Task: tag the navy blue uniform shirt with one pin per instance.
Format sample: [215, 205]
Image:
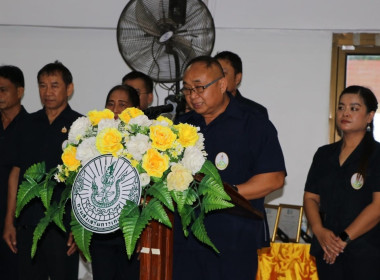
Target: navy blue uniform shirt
[250, 146]
[340, 203]
[43, 142]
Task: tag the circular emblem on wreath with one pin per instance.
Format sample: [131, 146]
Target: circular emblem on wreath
[100, 191]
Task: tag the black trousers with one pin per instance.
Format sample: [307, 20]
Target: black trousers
[50, 260]
[110, 260]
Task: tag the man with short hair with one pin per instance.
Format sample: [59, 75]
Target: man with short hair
[12, 113]
[233, 71]
[44, 134]
[245, 149]
[143, 84]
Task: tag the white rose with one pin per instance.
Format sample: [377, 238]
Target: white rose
[144, 179]
[193, 159]
[141, 120]
[161, 123]
[108, 123]
[87, 150]
[200, 143]
[78, 129]
[138, 145]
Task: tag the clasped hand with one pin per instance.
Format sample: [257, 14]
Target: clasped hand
[332, 245]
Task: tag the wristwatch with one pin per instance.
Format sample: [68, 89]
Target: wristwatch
[235, 188]
[344, 236]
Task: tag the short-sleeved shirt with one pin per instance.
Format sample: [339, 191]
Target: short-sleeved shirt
[340, 202]
[43, 142]
[8, 137]
[252, 104]
[248, 144]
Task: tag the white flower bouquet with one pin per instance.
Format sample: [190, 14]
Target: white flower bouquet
[166, 158]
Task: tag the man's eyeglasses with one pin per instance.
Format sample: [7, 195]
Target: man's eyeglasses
[198, 89]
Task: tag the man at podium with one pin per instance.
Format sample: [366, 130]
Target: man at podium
[245, 149]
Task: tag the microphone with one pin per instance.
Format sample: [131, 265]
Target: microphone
[155, 111]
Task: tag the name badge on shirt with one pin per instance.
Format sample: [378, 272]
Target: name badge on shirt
[357, 181]
[221, 161]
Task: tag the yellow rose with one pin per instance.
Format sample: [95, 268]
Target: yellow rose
[187, 134]
[162, 137]
[69, 159]
[108, 141]
[154, 163]
[96, 116]
[179, 178]
[129, 114]
[164, 119]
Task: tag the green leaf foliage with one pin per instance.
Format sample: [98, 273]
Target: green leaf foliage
[46, 191]
[27, 191]
[208, 168]
[41, 227]
[178, 198]
[211, 186]
[155, 210]
[210, 203]
[82, 237]
[199, 231]
[161, 192]
[35, 172]
[132, 224]
[187, 215]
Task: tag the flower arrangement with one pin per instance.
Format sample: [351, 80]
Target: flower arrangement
[166, 156]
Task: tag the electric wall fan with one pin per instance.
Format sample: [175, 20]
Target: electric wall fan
[159, 37]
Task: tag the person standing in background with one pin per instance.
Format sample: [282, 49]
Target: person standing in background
[43, 138]
[143, 84]
[342, 194]
[233, 71]
[12, 114]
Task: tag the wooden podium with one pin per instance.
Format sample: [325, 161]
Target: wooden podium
[156, 254]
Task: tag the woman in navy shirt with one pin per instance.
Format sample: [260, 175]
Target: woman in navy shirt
[342, 193]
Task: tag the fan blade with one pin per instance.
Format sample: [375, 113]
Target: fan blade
[185, 46]
[146, 20]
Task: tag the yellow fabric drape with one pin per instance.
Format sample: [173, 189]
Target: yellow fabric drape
[290, 261]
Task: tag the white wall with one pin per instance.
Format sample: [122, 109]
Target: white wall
[285, 47]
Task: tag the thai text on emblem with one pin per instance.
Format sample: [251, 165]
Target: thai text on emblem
[101, 190]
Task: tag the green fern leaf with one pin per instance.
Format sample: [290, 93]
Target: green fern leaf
[179, 199]
[27, 191]
[46, 191]
[82, 237]
[132, 224]
[211, 186]
[199, 231]
[210, 203]
[161, 192]
[155, 210]
[208, 168]
[65, 196]
[36, 171]
[41, 227]
[187, 216]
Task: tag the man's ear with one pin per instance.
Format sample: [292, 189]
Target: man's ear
[150, 98]
[70, 89]
[223, 84]
[238, 77]
[20, 92]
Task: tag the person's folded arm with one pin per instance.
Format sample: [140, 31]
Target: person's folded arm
[261, 185]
